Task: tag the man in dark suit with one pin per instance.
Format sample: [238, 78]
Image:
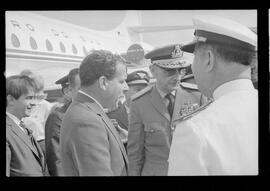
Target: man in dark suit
[53, 123]
[89, 143]
[24, 156]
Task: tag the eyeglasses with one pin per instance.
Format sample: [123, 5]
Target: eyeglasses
[171, 71]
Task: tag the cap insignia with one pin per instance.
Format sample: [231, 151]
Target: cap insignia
[177, 52]
[142, 75]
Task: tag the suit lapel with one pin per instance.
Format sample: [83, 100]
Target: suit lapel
[91, 104]
[23, 136]
[158, 103]
[41, 156]
[114, 132]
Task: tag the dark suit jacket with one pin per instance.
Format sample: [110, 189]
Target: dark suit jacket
[89, 143]
[52, 140]
[22, 159]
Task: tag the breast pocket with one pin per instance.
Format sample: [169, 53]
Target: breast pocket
[155, 134]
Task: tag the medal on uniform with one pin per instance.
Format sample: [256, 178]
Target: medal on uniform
[188, 108]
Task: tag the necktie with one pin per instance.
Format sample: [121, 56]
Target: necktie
[30, 134]
[170, 105]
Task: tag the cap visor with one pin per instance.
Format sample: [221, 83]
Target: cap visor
[138, 82]
[189, 47]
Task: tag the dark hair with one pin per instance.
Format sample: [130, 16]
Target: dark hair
[37, 78]
[230, 53]
[27, 72]
[18, 85]
[71, 76]
[98, 63]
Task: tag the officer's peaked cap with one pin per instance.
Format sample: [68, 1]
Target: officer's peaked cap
[209, 28]
[138, 77]
[170, 56]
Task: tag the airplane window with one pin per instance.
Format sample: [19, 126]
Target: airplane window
[62, 47]
[85, 51]
[49, 45]
[15, 41]
[33, 43]
[74, 49]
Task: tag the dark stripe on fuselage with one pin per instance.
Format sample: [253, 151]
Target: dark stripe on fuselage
[42, 53]
[41, 58]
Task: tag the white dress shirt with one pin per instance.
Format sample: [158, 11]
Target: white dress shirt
[222, 139]
[163, 94]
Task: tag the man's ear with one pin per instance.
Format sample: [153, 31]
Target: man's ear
[10, 100]
[211, 60]
[152, 69]
[103, 82]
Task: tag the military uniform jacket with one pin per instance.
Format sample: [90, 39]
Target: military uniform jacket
[151, 129]
[89, 143]
[52, 141]
[221, 139]
[22, 159]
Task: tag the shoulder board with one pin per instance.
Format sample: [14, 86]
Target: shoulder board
[199, 109]
[141, 93]
[189, 85]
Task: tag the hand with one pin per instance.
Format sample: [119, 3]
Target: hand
[122, 132]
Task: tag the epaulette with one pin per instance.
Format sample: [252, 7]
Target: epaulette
[199, 109]
[142, 92]
[189, 85]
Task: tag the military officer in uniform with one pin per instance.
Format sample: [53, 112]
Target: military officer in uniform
[220, 138]
[153, 113]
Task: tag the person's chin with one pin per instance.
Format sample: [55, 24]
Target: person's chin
[27, 112]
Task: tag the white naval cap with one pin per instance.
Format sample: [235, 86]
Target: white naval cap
[209, 28]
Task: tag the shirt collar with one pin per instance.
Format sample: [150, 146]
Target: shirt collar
[235, 85]
[15, 119]
[163, 94]
[82, 92]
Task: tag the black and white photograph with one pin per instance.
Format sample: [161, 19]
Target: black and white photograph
[132, 93]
